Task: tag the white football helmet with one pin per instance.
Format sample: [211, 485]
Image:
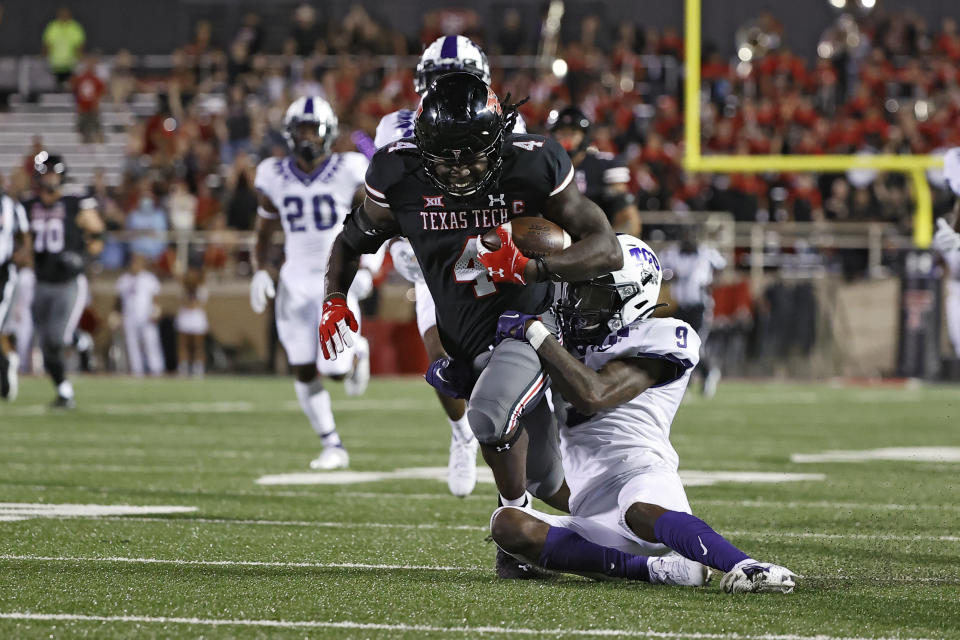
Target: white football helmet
[447, 54]
[311, 110]
[590, 311]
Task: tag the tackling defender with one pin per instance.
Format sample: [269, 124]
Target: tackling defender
[618, 381]
[447, 54]
[308, 194]
[461, 174]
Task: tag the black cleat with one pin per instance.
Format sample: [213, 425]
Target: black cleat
[63, 403]
[509, 568]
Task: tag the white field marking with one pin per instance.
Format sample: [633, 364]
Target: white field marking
[380, 626]
[690, 478]
[10, 511]
[154, 408]
[363, 565]
[242, 563]
[893, 454]
[824, 504]
[427, 526]
[196, 468]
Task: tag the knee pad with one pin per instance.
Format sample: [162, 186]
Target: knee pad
[488, 421]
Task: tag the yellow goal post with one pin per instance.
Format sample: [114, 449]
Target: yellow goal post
[694, 160]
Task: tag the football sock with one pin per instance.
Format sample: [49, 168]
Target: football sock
[522, 501]
[564, 550]
[65, 389]
[461, 429]
[315, 402]
[693, 538]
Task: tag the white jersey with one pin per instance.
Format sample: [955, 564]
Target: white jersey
[692, 273]
[137, 291]
[311, 208]
[635, 434]
[13, 221]
[399, 124]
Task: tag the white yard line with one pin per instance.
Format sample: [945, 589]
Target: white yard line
[240, 563]
[373, 626]
[156, 408]
[874, 537]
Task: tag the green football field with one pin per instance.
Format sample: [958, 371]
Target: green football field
[140, 515]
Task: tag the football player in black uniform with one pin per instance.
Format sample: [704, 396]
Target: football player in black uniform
[599, 175]
[460, 175]
[65, 229]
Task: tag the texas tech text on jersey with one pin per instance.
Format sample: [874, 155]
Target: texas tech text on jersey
[443, 232]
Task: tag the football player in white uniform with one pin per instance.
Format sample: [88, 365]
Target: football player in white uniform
[946, 242]
[618, 381]
[308, 194]
[445, 55]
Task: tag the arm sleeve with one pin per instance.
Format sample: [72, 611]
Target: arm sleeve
[559, 166]
[261, 182]
[385, 170]
[616, 172]
[664, 339]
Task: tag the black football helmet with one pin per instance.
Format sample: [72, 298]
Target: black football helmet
[47, 164]
[570, 118]
[460, 128]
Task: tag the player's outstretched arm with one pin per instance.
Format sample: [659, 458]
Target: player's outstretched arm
[595, 250]
[364, 231]
[589, 391]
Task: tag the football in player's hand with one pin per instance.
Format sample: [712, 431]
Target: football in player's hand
[535, 237]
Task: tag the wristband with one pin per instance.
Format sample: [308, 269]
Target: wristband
[536, 333]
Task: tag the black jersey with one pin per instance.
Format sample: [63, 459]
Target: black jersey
[596, 174]
[443, 232]
[58, 243]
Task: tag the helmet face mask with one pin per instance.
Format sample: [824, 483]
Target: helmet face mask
[459, 131]
[590, 311]
[310, 128]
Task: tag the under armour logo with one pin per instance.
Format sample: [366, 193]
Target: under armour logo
[498, 273]
[432, 201]
[500, 200]
[505, 447]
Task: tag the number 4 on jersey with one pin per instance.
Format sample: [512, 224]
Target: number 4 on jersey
[467, 269]
[529, 145]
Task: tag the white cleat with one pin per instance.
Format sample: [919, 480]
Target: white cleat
[711, 382]
[331, 458]
[674, 569]
[359, 377]
[462, 468]
[13, 370]
[750, 576]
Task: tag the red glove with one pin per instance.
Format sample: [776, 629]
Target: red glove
[506, 264]
[335, 326]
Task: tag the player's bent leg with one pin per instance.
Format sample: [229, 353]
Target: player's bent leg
[558, 548]
[314, 400]
[544, 467]
[693, 538]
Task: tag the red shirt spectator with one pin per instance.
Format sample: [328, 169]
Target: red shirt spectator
[87, 90]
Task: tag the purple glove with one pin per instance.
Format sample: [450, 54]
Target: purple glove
[512, 324]
[450, 377]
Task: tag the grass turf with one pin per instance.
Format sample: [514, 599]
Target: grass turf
[878, 542]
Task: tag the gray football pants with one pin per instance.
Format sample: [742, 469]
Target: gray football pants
[56, 310]
[509, 395]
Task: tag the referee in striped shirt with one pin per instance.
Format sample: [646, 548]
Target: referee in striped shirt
[14, 251]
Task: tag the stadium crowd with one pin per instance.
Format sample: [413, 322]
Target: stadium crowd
[883, 82]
